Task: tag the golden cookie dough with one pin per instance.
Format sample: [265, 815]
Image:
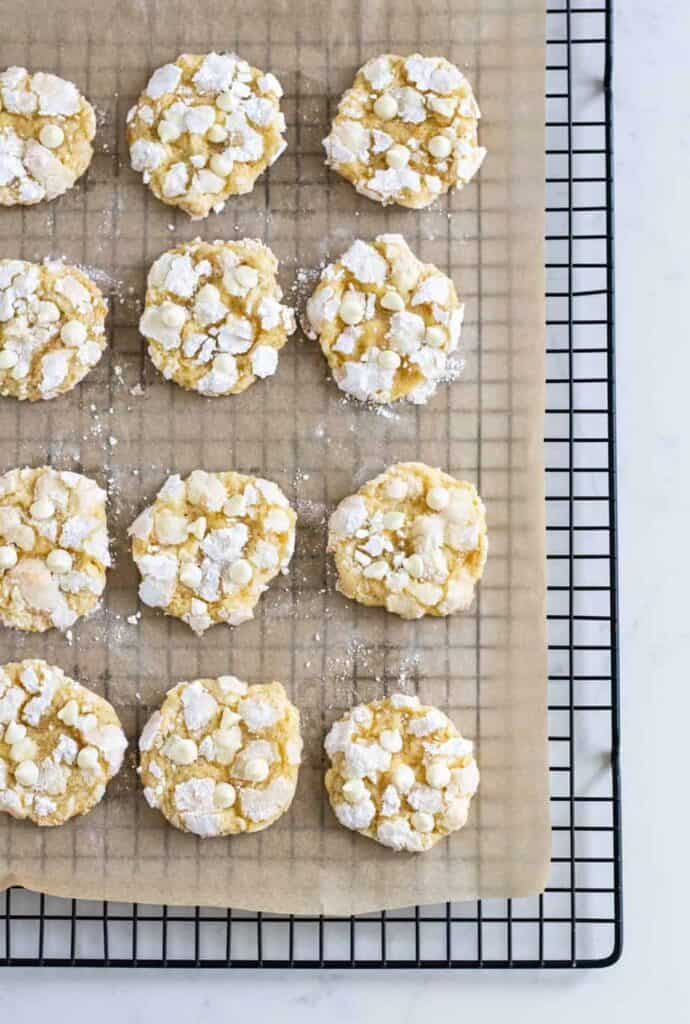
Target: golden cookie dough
[46, 128]
[400, 773]
[213, 317]
[204, 129]
[221, 757]
[386, 322]
[53, 548]
[60, 744]
[52, 328]
[209, 546]
[406, 131]
[412, 540]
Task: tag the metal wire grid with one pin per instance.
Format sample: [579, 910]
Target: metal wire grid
[577, 921]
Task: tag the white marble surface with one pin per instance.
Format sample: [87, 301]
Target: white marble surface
[653, 282]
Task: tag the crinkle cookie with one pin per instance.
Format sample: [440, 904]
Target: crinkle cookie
[400, 773]
[46, 128]
[412, 540]
[60, 744]
[406, 131]
[385, 321]
[213, 317]
[221, 757]
[204, 129]
[52, 328]
[209, 546]
[53, 548]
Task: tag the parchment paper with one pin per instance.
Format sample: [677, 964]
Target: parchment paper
[129, 428]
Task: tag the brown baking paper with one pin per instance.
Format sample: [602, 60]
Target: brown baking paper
[129, 428]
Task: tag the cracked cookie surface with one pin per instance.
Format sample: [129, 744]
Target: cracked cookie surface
[53, 547]
[386, 322]
[60, 744]
[406, 130]
[400, 773]
[220, 757]
[413, 540]
[213, 316]
[52, 328]
[46, 128]
[204, 129]
[208, 547]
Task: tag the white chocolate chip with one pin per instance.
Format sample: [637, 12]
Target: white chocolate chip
[168, 132]
[386, 107]
[216, 133]
[388, 359]
[351, 310]
[391, 740]
[397, 157]
[173, 315]
[393, 520]
[59, 561]
[73, 333]
[403, 778]
[439, 146]
[438, 774]
[355, 790]
[15, 732]
[393, 301]
[222, 164]
[224, 795]
[179, 750]
[8, 556]
[396, 489]
[69, 714]
[438, 498]
[8, 359]
[435, 336]
[414, 565]
[43, 508]
[240, 572]
[23, 750]
[256, 769]
[87, 759]
[422, 821]
[26, 773]
[51, 136]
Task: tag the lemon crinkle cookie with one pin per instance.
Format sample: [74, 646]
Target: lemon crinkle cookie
[213, 317]
[406, 131]
[53, 547]
[60, 744]
[386, 322]
[52, 328]
[400, 773]
[204, 129]
[46, 128]
[220, 757]
[209, 546]
[412, 540]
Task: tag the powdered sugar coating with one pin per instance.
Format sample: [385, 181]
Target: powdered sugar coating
[52, 328]
[205, 128]
[213, 316]
[404, 787]
[53, 547]
[386, 322]
[210, 544]
[406, 130]
[416, 545]
[46, 128]
[60, 744]
[214, 769]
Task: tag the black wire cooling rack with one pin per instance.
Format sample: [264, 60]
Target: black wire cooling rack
[577, 922]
